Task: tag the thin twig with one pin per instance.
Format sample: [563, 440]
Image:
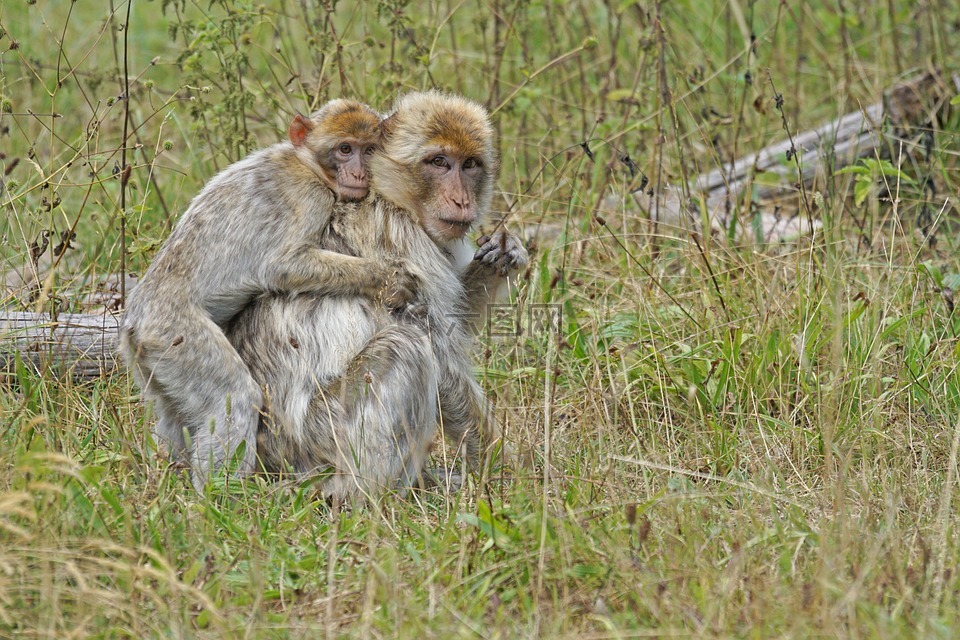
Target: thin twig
[127, 169]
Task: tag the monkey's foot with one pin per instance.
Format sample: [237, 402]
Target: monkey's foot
[449, 480]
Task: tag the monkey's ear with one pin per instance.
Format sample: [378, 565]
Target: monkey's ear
[388, 125]
[300, 128]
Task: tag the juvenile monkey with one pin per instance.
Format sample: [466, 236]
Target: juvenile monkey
[351, 386]
[254, 228]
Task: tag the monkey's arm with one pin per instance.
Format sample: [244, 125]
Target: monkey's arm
[497, 258]
[321, 271]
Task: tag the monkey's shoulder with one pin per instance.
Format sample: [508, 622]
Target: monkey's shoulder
[269, 191]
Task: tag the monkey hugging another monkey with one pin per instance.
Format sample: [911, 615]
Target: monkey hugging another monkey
[313, 326]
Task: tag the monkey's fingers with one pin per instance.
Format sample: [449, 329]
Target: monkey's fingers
[516, 258]
[397, 299]
[416, 311]
[508, 265]
[513, 260]
[399, 288]
[485, 250]
[492, 257]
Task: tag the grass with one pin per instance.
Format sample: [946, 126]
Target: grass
[726, 441]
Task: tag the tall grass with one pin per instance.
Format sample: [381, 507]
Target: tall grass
[716, 440]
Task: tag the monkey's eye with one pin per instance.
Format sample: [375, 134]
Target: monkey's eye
[369, 151]
[345, 149]
[439, 161]
[471, 163]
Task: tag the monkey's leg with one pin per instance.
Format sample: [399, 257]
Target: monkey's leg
[466, 416]
[388, 399]
[169, 425]
[202, 385]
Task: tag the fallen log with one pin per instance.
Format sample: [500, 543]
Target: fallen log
[72, 345]
[720, 193]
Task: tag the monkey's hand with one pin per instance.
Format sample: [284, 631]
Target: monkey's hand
[398, 286]
[503, 253]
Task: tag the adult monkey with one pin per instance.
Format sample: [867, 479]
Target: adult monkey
[255, 227]
[352, 387]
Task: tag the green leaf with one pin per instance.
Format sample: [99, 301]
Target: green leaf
[861, 189]
[855, 169]
[110, 497]
[622, 95]
[933, 271]
[588, 570]
[193, 570]
[951, 281]
[496, 529]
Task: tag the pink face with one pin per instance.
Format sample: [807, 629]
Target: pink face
[343, 166]
[350, 158]
[456, 180]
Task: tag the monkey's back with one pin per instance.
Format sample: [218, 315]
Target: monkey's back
[256, 210]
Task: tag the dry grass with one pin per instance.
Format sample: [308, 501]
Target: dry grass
[724, 441]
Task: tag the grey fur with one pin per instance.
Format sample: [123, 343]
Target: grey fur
[256, 227]
[353, 386]
[358, 390]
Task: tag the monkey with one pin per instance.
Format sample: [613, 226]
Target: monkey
[359, 389]
[253, 228]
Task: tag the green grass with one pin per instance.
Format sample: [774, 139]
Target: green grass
[726, 441]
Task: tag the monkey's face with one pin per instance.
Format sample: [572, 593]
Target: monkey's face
[452, 184]
[336, 142]
[438, 160]
[350, 158]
